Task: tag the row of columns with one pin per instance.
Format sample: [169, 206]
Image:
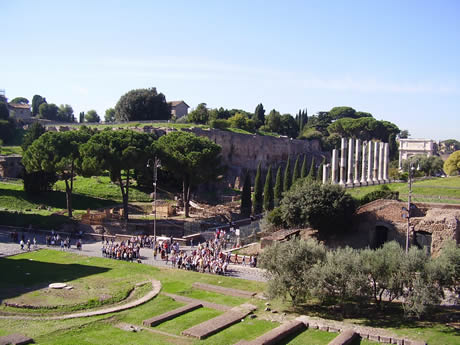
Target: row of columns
[361, 164]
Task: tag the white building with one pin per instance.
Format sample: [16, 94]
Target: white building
[412, 147]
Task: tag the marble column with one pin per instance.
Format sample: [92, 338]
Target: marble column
[334, 166]
[325, 173]
[357, 155]
[343, 166]
[375, 167]
[386, 156]
[350, 162]
[380, 175]
[370, 160]
[363, 180]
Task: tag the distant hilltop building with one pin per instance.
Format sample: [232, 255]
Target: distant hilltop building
[20, 111]
[412, 147]
[179, 108]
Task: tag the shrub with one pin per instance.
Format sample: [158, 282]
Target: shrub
[219, 124]
[379, 194]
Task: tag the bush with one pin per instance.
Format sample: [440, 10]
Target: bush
[274, 217]
[242, 122]
[379, 194]
[327, 208]
[290, 266]
[219, 124]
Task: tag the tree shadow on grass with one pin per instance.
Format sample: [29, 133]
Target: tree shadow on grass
[23, 275]
[38, 220]
[57, 199]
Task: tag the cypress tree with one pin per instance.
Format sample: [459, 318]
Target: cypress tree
[246, 202]
[296, 172]
[258, 198]
[312, 174]
[278, 192]
[287, 176]
[268, 191]
[303, 170]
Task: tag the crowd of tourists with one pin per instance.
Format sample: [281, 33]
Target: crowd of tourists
[208, 256]
[128, 250]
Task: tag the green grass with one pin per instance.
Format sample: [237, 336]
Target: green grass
[444, 190]
[187, 320]
[311, 337]
[99, 273]
[10, 150]
[27, 276]
[17, 208]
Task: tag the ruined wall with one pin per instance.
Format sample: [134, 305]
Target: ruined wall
[439, 220]
[243, 152]
[10, 166]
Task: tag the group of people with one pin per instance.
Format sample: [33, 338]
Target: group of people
[208, 256]
[126, 250]
[57, 240]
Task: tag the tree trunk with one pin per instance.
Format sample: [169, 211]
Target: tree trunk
[125, 195]
[186, 195]
[68, 195]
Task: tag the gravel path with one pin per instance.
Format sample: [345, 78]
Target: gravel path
[91, 248]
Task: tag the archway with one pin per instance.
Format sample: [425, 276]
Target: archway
[380, 237]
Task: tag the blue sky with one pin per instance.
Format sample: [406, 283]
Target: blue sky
[398, 60]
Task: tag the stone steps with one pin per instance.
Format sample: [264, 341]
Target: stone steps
[210, 327]
[156, 320]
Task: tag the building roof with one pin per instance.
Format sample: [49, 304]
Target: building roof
[19, 106]
[174, 103]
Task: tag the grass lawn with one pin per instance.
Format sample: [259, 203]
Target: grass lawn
[311, 337]
[445, 190]
[96, 276]
[10, 150]
[49, 210]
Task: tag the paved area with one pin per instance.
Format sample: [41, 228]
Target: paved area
[92, 248]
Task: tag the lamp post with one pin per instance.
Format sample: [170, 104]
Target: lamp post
[156, 163]
[409, 203]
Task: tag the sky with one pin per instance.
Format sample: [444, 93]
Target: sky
[398, 60]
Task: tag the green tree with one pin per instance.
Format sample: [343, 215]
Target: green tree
[4, 112]
[287, 182]
[430, 166]
[452, 164]
[65, 113]
[259, 115]
[109, 115]
[37, 100]
[303, 169]
[341, 112]
[327, 208]
[404, 134]
[48, 111]
[273, 121]
[92, 117]
[268, 191]
[119, 152]
[20, 100]
[142, 104]
[241, 121]
[246, 203]
[34, 132]
[290, 266]
[312, 173]
[81, 117]
[200, 115]
[257, 203]
[278, 190]
[190, 158]
[450, 145]
[296, 171]
[57, 152]
[288, 126]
